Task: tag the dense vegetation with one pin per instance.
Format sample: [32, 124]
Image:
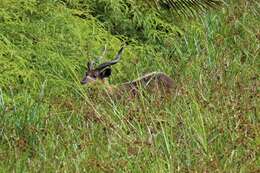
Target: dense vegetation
[50, 122]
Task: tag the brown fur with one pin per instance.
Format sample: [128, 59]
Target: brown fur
[156, 83]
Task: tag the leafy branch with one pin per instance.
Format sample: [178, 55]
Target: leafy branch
[186, 8]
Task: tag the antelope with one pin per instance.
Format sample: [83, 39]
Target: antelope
[155, 82]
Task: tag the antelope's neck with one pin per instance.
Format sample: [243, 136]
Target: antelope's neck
[107, 85]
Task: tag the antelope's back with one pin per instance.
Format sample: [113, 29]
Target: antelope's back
[154, 83]
[159, 82]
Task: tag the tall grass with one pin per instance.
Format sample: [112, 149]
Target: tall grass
[49, 122]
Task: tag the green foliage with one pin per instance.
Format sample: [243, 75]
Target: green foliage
[187, 8]
[49, 122]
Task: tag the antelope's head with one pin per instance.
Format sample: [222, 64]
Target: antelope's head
[100, 72]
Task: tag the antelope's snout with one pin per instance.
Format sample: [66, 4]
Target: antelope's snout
[86, 80]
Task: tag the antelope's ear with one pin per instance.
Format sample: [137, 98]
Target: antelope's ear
[105, 73]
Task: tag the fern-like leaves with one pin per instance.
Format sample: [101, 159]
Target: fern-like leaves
[186, 8]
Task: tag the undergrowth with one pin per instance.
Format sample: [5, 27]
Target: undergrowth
[51, 123]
